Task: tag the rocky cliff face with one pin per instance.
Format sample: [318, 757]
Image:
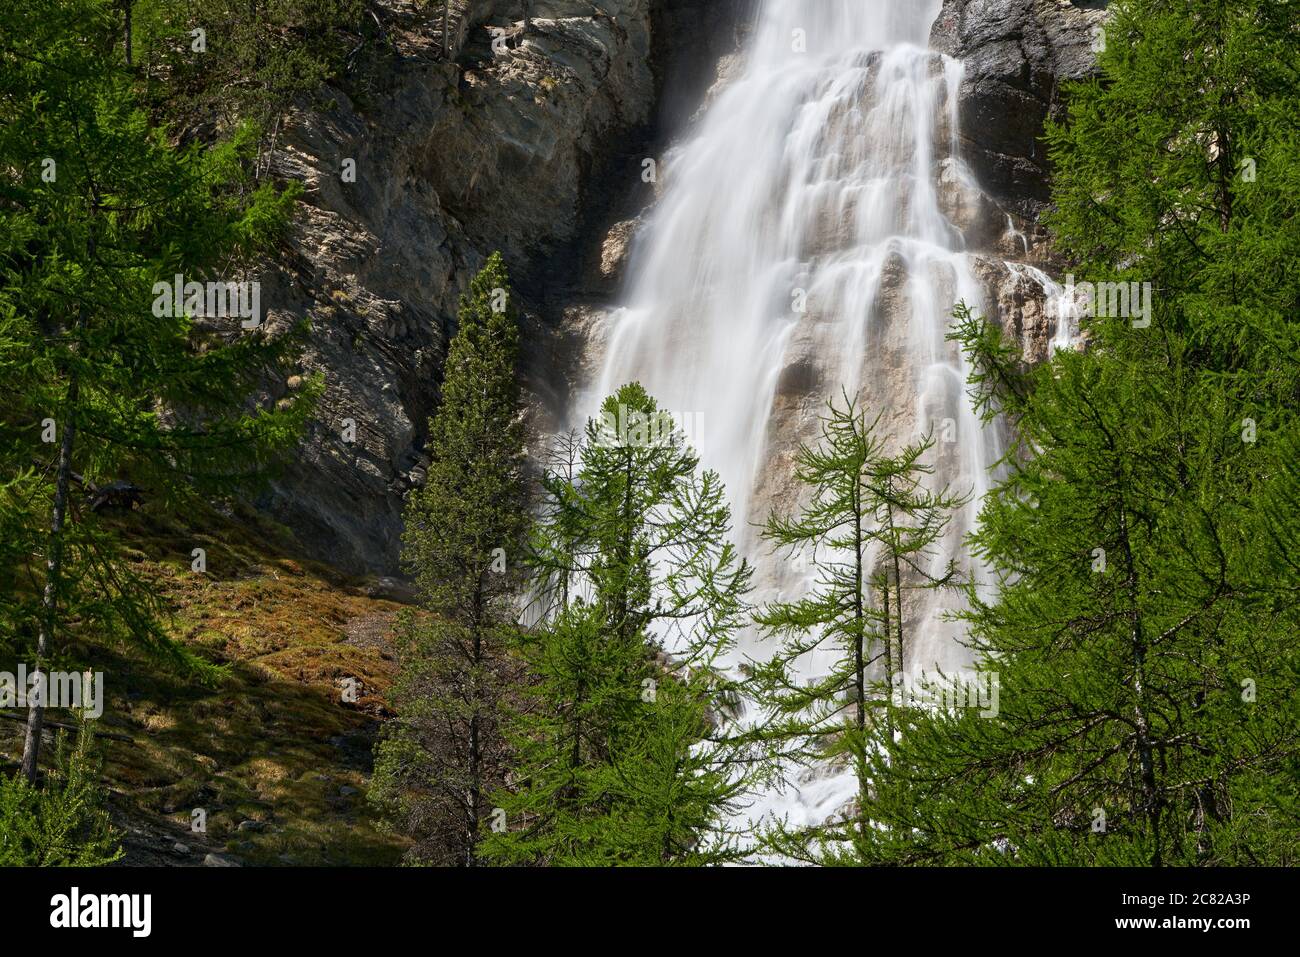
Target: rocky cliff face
[407, 194]
[1016, 53]
[1016, 56]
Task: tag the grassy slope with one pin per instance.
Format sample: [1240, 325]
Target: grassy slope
[273, 743]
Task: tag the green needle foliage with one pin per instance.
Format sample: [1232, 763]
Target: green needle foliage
[622, 751]
[870, 529]
[252, 60]
[1145, 536]
[464, 544]
[63, 825]
[97, 208]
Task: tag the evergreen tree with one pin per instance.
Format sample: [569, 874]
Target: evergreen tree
[251, 60]
[64, 825]
[1144, 536]
[676, 783]
[100, 212]
[622, 751]
[465, 531]
[870, 528]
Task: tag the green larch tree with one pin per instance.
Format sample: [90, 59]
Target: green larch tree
[870, 530]
[1144, 535]
[116, 379]
[623, 752]
[65, 824]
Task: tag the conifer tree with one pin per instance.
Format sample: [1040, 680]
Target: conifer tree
[622, 752]
[463, 544]
[65, 824]
[1144, 536]
[252, 59]
[99, 209]
[870, 529]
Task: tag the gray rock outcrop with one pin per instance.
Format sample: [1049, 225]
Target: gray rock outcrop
[1016, 53]
[406, 195]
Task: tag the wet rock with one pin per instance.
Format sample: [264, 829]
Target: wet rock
[1017, 302]
[392, 589]
[614, 249]
[969, 208]
[1016, 54]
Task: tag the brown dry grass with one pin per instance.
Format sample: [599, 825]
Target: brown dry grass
[273, 741]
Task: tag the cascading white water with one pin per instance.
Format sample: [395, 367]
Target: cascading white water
[800, 247]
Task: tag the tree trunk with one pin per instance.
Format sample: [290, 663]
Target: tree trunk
[889, 648]
[1145, 746]
[126, 11]
[859, 658]
[58, 516]
[575, 749]
[859, 665]
[475, 746]
[1227, 170]
[475, 786]
[898, 587]
[53, 572]
[625, 545]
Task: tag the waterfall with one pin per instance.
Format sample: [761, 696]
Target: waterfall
[801, 245]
